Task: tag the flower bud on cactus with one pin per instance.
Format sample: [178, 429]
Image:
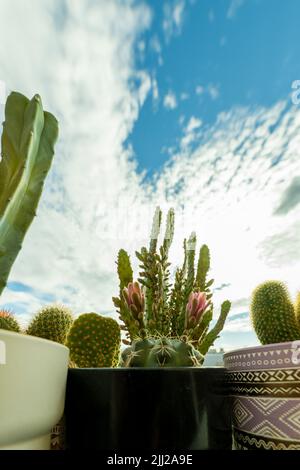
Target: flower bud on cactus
[134, 299]
[8, 322]
[52, 322]
[195, 308]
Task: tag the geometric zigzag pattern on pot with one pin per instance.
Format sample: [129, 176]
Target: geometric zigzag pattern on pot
[247, 441]
[270, 390]
[280, 376]
[273, 417]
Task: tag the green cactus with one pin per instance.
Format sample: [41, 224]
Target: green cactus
[125, 276]
[28, 139]
[8, 322]
[161, 352]
[94, 341]
[152, 310]
[273, 314]
[52, 322]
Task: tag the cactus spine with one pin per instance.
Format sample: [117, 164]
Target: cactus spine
[273, 314]
[94, 341]
[8, 322]
[28, 139]
[52, 322]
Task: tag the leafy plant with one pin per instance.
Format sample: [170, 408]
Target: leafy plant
[160, 319]
[28, 139]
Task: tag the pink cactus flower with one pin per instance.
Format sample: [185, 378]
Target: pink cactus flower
[195, 308]
[134, 298]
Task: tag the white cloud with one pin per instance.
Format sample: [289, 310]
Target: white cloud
[155, 45]
[184, 96]
[211, 15]
[173, 18]
[238, 325]
[213, 91]
[170, 101]
[82, 62]
[190, 132]
[194, 123]
[227, 189]
[234, 6]
[155, 91]
[199, 90]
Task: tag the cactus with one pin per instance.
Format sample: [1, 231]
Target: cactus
[8, 321]
[176, 319]
[273, 314]
[94, 341]
[28, 139]
[161, 352]
[52, 322]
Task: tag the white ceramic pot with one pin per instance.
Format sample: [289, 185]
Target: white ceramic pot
[33, 375]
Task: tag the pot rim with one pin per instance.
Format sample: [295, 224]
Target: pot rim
[284, 345]
[128, 369]
[25, 337]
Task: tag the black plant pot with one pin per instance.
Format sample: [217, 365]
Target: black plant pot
[176, 408]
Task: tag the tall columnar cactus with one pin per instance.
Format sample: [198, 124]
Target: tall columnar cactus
[28, 139]
[94, 341]
[152, 310]
[8, 322]
[273, 314]
[52, 322]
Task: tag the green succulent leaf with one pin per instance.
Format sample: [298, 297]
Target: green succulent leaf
[28, 139]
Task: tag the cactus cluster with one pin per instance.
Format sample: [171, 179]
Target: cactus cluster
[8, 322]
[274, 316]
[53, 322]
[94, 341]
[167, 325]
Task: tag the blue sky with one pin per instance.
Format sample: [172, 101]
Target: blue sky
[183, 103]
[224, 54]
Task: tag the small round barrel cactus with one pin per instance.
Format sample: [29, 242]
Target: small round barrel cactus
[52, 322]
[273, 314]
[8, 321]
[161, 352]
[94, 341]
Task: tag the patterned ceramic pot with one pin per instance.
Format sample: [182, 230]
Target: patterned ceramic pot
[265, 384]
